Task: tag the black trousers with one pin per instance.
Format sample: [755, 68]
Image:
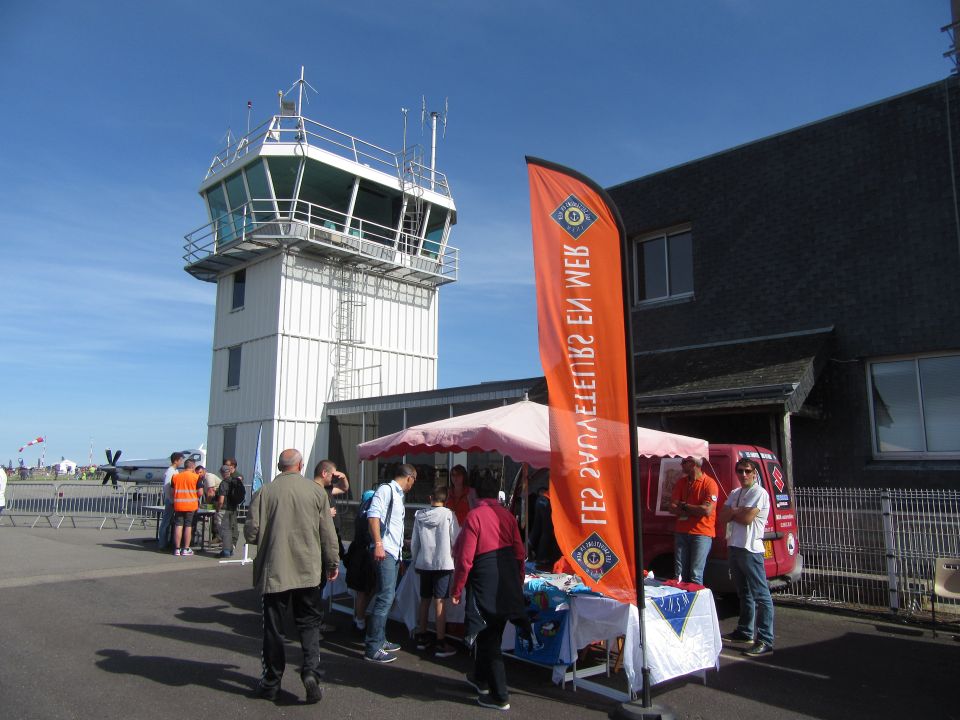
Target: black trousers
[306, 604]
[488, 665]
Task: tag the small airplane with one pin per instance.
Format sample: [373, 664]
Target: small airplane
[144, 472]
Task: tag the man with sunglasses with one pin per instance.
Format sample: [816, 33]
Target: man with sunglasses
[745, 516]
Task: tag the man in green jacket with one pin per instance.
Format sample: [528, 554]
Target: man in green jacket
[289, 522]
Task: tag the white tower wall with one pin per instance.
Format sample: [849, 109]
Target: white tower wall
[287, 334]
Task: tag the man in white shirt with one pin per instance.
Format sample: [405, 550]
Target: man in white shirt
[163, 531]
[385, 517]
[3, 490]
[746, 511]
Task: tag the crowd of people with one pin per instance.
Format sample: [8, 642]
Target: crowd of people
[188, 487]
[465, 548]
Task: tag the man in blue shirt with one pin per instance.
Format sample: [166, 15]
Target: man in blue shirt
[385, 517]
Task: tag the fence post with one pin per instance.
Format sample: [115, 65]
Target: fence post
[886, 509]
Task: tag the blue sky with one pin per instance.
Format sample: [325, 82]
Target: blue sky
[111, 112]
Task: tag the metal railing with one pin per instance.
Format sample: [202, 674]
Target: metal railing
[258, 222]
[875, 549]
[299, 130]
[54, 503]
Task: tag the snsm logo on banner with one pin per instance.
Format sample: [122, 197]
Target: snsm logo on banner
[574, 217]
[595, 557]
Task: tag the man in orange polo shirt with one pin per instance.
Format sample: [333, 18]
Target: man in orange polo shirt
[186, 501]
[693, 501]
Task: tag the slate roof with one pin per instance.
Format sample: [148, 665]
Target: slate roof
[773, 372]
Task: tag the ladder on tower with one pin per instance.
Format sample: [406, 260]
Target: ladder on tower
[410, 183]
[348, 331]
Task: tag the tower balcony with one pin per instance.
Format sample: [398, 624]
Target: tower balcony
[265, 225]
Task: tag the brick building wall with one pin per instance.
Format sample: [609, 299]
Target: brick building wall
[849, 222]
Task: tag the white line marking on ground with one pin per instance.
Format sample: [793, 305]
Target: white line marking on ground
[741, 658]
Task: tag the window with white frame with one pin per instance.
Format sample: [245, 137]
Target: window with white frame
[663, 265]
[233, 367]
[915, 406]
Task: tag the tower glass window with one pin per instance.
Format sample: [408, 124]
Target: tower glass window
[239, 289]
[217, 203]
[663, 265]
[260, 195]
[283, 172]
[233, 367]
[237, 197]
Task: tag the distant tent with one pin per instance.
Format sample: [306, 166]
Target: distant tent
[66, 467]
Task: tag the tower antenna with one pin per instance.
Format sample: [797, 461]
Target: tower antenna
[300, 84]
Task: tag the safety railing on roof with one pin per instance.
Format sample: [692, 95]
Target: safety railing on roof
[261, 221]
[299, 130]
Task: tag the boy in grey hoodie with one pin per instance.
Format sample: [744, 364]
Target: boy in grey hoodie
[434, 530]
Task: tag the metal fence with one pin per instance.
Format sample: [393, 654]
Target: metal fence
[33, 502]
[875, 549]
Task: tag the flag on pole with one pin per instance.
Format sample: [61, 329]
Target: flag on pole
[577, 253]
[32, 442]
[257, 468]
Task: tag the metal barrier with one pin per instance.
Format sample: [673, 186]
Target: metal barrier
[56, 502]
[30, 499]
[875, 549]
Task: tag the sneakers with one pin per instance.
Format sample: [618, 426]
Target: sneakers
[314, 691]
[176, 552]
[488, 702]
[390, 647]
[186, 551]
[423, 641]
[737, 636]
[444, 651]
[478, 685]
[381, 658]
[757, 649]
[224, 554]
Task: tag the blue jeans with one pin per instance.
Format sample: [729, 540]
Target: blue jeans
[163, 532]
[750, 578]
[380, 604]
[690, 556]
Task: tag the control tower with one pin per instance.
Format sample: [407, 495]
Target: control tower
[328, 252]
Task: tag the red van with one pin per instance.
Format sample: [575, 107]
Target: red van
[782, 557]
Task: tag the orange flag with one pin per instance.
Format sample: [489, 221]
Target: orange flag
[577, 252]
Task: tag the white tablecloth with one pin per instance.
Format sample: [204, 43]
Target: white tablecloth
[683, 633]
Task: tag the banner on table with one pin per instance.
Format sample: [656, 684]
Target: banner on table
[578, 261]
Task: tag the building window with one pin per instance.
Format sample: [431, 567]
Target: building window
[233, 367]
[229, 441]
[915, 407]
[239, 289]
[663, 265]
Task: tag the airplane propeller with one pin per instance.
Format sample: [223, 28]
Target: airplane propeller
[111, 468]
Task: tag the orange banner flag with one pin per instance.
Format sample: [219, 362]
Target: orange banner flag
[577, 252]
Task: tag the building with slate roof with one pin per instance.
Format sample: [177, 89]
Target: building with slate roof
[799, 292]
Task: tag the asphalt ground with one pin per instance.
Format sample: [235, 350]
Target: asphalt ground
[98, 624]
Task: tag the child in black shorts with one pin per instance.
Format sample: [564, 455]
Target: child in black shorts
[434, 530]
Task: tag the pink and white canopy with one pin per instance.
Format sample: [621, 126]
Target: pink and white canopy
[520, 430]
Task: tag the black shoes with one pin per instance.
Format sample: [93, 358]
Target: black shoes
[757, 649]
[479, 685]
[738, 637]
[266, 692]
[314, 691]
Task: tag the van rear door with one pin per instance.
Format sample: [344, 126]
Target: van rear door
[780, 533]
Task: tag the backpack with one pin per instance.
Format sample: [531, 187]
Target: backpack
[361, 531]
[236, 493]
